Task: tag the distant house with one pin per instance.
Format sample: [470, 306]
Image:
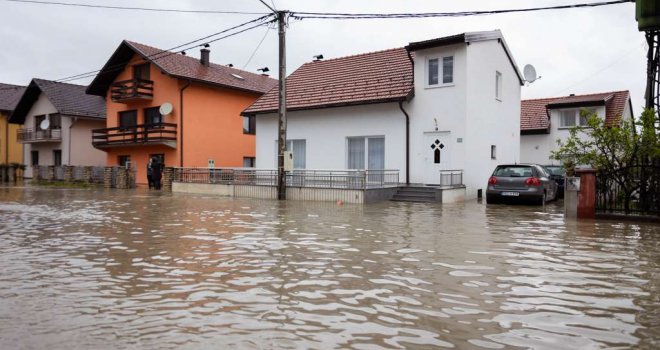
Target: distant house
[451, 103]
[546, 120]
[11, 151]
[57, 121]
[201, 125]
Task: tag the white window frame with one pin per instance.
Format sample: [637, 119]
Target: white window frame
[576, 114]
[286, 148]
[440, 59]
[366, 149]
[498, 86]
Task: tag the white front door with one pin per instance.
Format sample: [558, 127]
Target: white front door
[436, 155]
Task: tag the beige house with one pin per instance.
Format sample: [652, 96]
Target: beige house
[56, 125]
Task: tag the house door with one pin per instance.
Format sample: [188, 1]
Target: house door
[436, 155]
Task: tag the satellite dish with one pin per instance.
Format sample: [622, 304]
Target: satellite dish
[45, 124]
[530, 73]
[166, 108]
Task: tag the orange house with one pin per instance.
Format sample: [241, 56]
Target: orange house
[183, 110]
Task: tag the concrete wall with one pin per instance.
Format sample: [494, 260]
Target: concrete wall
[537, 148]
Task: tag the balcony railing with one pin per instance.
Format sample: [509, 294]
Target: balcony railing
[39, 135]
[144, 134]
[131, 90]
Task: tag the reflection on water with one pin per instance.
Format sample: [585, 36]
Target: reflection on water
[109, 269]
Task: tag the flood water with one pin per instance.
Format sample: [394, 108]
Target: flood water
[101, 269]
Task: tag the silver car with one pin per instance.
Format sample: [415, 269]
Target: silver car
[521, 183]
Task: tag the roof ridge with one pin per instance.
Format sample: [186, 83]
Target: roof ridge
[581, 95]
[57, 82]
[356, 55]
[211, 64]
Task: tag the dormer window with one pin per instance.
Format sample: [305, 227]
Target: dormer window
[440, 71]
[572, 117]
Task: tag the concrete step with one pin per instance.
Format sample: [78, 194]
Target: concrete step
[412, 199]
[416, 194]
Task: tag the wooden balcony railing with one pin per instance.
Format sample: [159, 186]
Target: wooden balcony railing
[39, 135]
[131, 90]
[144, 134]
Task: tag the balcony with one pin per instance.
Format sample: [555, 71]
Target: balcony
[138, 135]
[39, 135]
[132, 90]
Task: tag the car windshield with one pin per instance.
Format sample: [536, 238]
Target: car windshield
[513, 171]
[556, 170]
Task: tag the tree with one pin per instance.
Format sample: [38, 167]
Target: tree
[616, 151]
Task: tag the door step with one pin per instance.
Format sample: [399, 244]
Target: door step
[415, 194]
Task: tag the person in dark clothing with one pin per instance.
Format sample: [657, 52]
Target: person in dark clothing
[156, 172]
[149, 179]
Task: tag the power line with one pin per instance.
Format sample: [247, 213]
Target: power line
[165, 53]
[135, 8]
[256, 48]
[323, 15]
[269, 7]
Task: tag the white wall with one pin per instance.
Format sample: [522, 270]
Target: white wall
[326, 132]
[41, 107]
[537, 148]
[490, 121]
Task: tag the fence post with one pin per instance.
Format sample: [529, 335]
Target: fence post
[68, 173]
[168, 176]
[586, 208]
[122, 177]
[107, 177]
[50, 173]
[87, 174]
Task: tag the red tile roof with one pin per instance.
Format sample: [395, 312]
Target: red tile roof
[534, 113]
[9, 96]
[374, 77]
[179, 66]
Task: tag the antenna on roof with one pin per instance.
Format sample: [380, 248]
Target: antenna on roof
[317, 58]
[530, 74]
[264, 69]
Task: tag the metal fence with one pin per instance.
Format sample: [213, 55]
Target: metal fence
[638, 194]
[336, 179]
[59, 173]
[451, 177]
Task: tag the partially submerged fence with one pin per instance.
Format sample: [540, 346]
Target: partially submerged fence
[334, 179]
[110, 177]
[631, 190]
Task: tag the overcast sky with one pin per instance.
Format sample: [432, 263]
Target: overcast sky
[575, 51]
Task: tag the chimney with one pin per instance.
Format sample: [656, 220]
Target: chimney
[204, 59]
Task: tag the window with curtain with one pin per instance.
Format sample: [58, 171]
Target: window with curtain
[448, 70]
[366, 152]
[433, 72]
[299, 149]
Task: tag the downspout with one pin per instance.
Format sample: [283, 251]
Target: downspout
[181, 121]
[407, 142]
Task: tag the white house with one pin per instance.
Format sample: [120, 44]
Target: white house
[451, 103]
[57, 121]
[544, 121]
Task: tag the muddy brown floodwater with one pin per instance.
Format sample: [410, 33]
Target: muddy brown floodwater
[96, 269]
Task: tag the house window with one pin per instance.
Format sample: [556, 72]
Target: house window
[498, 86]
[34, 158]
[249, 125]
[124, 161]
[493, 152]
[141, 71]
[38, 120]
[249, 162]
[572, 117]
[299, 149]
[128, 119]
[435, 70]
[57, 157]
[366, 153]
[152, 116]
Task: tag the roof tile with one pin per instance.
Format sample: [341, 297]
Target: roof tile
[9, 96]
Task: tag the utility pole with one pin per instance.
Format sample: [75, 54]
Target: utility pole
[281, 124]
